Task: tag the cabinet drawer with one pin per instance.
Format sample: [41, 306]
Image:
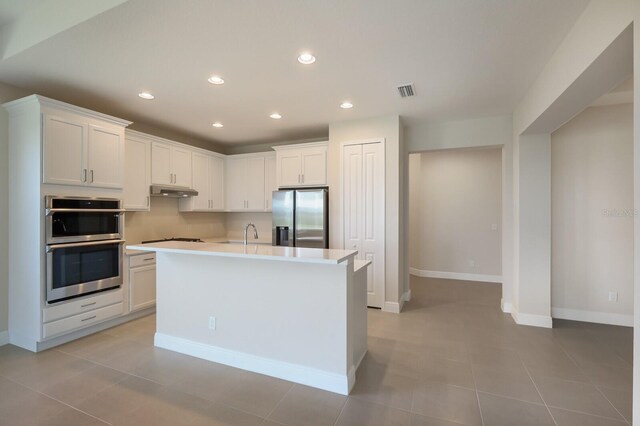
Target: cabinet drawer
[142, 260]
[78, 306]
[80, 321]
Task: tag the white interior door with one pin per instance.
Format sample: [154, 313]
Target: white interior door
[363, 200]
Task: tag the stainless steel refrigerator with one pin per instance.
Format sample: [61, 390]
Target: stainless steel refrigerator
[301, 218]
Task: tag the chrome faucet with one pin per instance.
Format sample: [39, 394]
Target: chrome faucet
[246, 228]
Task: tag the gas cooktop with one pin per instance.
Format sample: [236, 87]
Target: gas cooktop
[189, 240]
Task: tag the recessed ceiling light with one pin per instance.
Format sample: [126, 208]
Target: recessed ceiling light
[346, 105]
[146, 95]
[306, 58]
[214, 79]
[216, 124]
[275, 116]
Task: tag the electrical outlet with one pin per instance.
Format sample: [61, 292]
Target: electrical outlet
[472, 263]
[613, 296]
[494, 226]
[212, 323]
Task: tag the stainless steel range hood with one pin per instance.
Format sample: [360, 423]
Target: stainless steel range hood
[172, 191]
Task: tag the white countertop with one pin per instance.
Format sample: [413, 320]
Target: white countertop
[252, 251]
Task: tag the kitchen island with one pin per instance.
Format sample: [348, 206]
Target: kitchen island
[294, 313]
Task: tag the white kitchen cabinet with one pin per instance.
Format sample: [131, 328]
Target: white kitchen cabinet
[208, 180]
[142, 281]
[270, 183]
[245, 182]
[53, 146]
[301, 165]
[137, 173]
[80, 151]
[81, 313]
[216, 172]
[170, 165]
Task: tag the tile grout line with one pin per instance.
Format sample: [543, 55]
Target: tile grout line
[346, 401]
[623, 421]
[129, 374]
[535, 385]
[592, 383]
[278, 403]
[609, 401]
[475, 384]
[76, 409]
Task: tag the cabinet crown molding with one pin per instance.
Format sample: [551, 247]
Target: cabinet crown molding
[322, 144]
[52, 103]
[134, 134]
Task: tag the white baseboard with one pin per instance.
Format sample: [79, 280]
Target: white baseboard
[4, 337]
[393, 307]
[332, 382]
[396, 307]
[592, 316]
[456, 276]
[532, 320]
[506, 307]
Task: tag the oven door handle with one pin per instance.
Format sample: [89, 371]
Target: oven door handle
[51, 248]
[49, 212]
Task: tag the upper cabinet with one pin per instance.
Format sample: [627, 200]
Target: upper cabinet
[270, 183]
[301, 165]
[170, 164]
[137, 171]
[208, 180]
[248, 178]
[79, 149]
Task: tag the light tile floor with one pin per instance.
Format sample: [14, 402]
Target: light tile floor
[452, 357]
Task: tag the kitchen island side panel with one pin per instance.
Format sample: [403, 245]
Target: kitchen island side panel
[289, 312]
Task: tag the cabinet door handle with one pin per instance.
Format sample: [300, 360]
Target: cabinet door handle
[90, 318]
[88, 304]
[303, 178]
[148, 201]
[91, 176]
[84, 175]
[298, 178]
[148, 258]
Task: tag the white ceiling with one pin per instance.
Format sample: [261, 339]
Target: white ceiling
[466, 58]
[11, 10]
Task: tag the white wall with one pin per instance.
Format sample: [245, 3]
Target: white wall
[388, 128]
[592, 216]
[414, 199]
[458, 198]
[7, 93]
[532, 185]
[470, 133]
[164, 221]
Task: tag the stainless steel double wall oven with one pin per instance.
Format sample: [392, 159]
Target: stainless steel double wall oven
[84, 245]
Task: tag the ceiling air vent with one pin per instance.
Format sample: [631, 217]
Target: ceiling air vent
[406, 90]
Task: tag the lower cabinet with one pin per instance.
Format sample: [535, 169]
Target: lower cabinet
[142, 281]
[76, 322]
[80, 313]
